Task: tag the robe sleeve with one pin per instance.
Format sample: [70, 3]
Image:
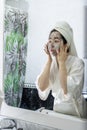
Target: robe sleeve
[43, 94]
[69, 103]
[75, 78]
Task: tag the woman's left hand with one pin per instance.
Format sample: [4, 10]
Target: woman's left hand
[61, 58]
[62, 54]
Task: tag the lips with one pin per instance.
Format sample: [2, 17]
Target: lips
[52, 50]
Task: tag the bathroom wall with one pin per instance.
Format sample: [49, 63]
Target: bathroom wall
[19, 4]
[85, 29]
[42, 17]
[43, 14]
[85, 49]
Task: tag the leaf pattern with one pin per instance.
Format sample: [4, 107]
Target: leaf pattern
[15, 52]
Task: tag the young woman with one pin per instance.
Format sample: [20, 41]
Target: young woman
[62, 73]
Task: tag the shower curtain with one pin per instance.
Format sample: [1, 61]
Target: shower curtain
[15, 52]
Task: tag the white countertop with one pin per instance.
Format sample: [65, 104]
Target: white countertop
[45, 117]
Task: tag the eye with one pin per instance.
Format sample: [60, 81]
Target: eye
[56, 41]
[50, 41]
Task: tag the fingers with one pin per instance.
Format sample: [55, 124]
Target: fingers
[46, 48]
[61, 47]
[64, 48]
[67, 47]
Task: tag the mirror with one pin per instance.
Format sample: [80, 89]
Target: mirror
[26, 29]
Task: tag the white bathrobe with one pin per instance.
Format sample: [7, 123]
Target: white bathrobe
[73, 103]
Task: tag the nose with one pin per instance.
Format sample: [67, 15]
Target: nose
[52, 44]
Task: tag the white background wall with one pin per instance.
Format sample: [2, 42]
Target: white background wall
[43, 14]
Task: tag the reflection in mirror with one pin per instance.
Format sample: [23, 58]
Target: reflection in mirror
[25, 33]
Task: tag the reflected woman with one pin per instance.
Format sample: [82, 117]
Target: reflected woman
[62, 73]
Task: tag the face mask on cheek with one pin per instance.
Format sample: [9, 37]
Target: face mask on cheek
[53, 49]
[56, 46]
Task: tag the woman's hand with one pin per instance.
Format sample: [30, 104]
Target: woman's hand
[43, 80]
[62, 54]
[61, 58]
[47, 51]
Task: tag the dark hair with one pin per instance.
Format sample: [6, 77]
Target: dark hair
[63, 38]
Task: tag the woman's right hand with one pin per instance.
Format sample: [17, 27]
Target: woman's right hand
[47, 51]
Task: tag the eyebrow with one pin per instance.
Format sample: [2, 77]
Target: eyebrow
[55, 38]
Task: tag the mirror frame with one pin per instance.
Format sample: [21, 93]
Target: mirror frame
[48, 118]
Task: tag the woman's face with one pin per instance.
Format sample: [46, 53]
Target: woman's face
[54, 42]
